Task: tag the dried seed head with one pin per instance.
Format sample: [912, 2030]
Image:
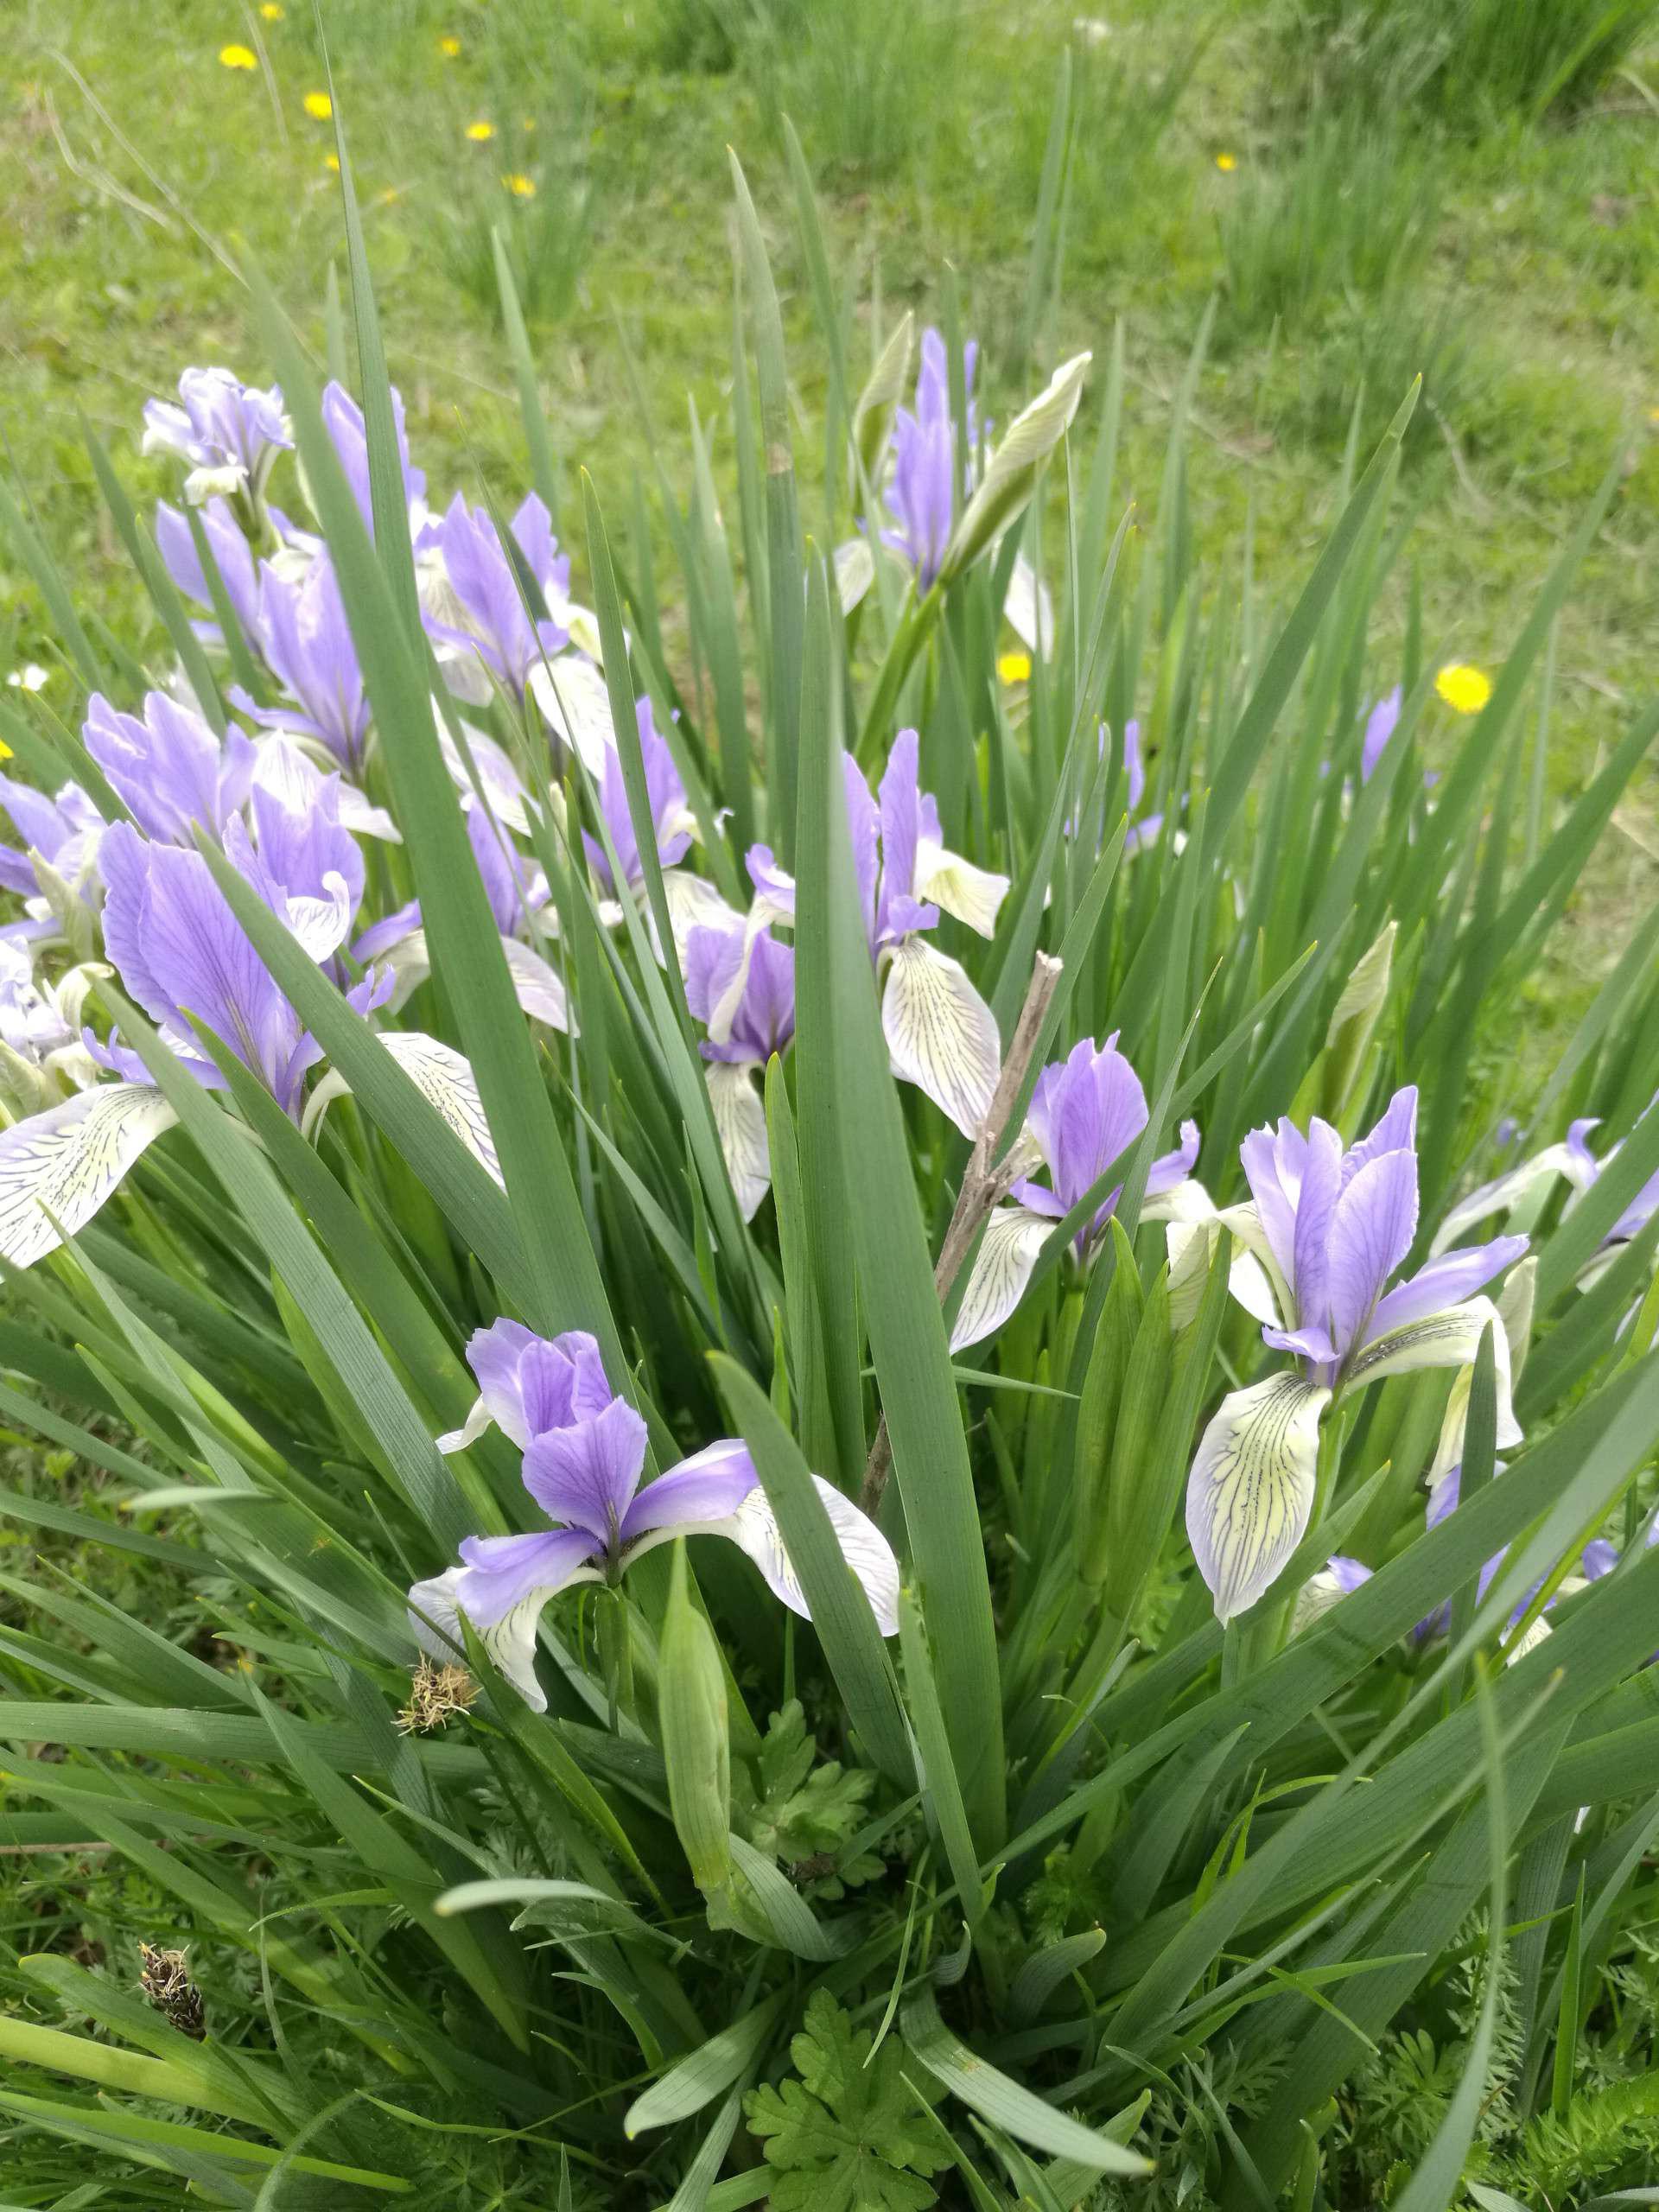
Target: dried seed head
[166, 1982]
[434, 1694]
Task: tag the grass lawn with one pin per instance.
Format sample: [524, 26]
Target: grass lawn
[1517, 266]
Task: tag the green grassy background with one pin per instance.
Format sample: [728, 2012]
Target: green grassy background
[1515, 259]
[1517, 262]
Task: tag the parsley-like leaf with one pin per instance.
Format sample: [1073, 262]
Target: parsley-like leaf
[845, 2137]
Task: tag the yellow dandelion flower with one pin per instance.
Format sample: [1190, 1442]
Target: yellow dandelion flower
[239, 57]
[448, 48]
[480, 133]
[272, 12]
[1653, 416]
[1226, 163]
[320, 105]
[521, 188]
[5, 750]
[1465, 689]
[530, 124]
[332, 161]
[1014, 668]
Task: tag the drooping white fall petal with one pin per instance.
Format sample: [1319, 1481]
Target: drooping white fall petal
[1251, 1488]
[1448, 1339]
[68, 1160]
[740, 1124]
[444, 1079]
[1008, 1252]
[941, 1035]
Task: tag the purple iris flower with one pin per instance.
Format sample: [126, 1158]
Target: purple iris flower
[1339, 1224]
[584, 1451]
[907, 814]
[31, 1021]
[922, 495]
[306, 865]
[1338, 1579]
[170, 769]
[1086, 1110]
[741, 984]
[178, 948]
[512, 886]
[941, 1035]
[343, 420]
[515, 887]
[527, 1383]
[1380, 726]
[532, 532]
[775, 887]
[496, 626]
[1139, 833]
[1598, 1557]
[665, 794]
[307, 643]
[1327, 1228]
[1573, 1160]
[63, 830]
[176, 944]
[232, 557]
[228, 431]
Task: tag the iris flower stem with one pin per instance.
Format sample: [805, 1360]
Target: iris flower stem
[616, 1648]
[985, 1179]
[915, 626]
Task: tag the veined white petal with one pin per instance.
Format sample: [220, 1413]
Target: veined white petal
[478, 1419]
[1190, 1245]
[365, 820]
[496, 773]
[1028, 609]
[753, 1528]
[70, 1160]
[537, 987]
[971, 894]
[1251, 1488]
[693, 903]
[741, 1121]
[1002, 1266]
[1190, 1241]
[573, 697]
[1316, 1597]
[1448, 1339]
[583, 625]
[1533, 1637]
[854, 566]
[1503, 1195]
[447, 1083]
[224, 480]
[511, 1642]
[1245, 1224]
[320, 924]
[1516, 1298]
[941, 1035]
[410, 960]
